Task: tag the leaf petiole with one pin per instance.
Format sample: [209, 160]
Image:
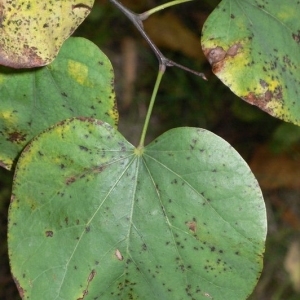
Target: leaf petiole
[161, 71]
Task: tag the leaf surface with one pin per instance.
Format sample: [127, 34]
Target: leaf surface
[183, 218]
[254, 48]
[78, 83]
[32, 32]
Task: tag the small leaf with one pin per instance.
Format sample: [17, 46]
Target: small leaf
[75, 84]
[183, 218]
[254, 48]
[32, 32]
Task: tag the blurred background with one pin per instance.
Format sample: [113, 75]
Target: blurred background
[271, 147]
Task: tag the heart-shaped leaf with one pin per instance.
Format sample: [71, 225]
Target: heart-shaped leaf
[92, 217]
[78, 83]
[254, 48]
[32, 32]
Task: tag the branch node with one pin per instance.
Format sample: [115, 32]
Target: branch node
[137, 20]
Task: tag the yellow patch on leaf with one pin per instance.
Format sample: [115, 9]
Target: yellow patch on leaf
[79, 72]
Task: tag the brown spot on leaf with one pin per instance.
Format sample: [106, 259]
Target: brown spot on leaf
[233, 50]
[192, 225]
[27, 59]
[296, 37]
[20, 289]
[263, 83]
[49, 233]
[91, 276]
[278, 93]
[218, 55]
[85, 292]
[100, 169]
[16, 137]
[268, 95]
[262, 100]
[70, 180]
[258, 100]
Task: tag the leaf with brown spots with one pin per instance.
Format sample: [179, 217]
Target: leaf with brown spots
[32, 32]
[183, 218]
[78, 83]
[253, 47]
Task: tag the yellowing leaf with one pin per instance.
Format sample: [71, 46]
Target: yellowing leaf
[32, 32]
[254, 48]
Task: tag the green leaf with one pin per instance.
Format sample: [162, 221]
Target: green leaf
[78, 83]
[32, 32]
[93, 217]
[254, 48]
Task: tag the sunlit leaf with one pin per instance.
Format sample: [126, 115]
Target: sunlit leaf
[254, 48]
[92, 217]
[78, 83]
[32, 32]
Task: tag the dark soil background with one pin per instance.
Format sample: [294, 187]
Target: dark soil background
[270, 146]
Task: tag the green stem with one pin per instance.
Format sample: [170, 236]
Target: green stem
[161, 71]
[148, 13]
